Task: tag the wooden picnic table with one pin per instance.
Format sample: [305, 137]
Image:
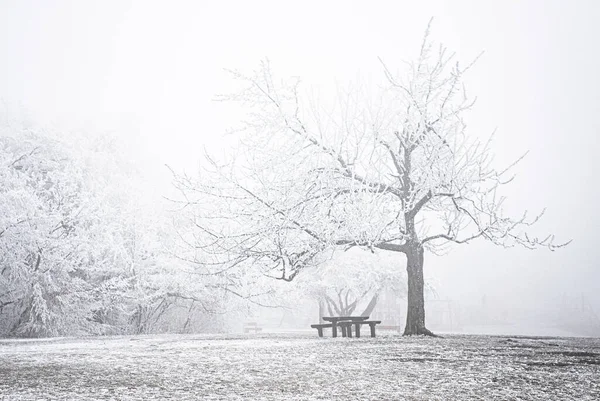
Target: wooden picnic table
[335, 319]
[340, 318]
[345, 322]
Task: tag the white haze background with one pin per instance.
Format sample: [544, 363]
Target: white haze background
[148, 71]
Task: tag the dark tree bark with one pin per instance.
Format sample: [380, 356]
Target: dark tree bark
[415, 317]
[372, 304]
[321, 310]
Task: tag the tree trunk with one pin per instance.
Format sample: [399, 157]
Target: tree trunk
[371, 306]
[415, 316]
[321, 310]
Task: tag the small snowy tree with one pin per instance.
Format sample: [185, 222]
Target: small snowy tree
[394, 172]
[351, 282]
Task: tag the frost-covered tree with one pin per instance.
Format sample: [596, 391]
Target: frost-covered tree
[45, 238]
[76, 249]
[351, 282]
[395, 172]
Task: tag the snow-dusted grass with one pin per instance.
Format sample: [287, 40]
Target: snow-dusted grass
[300, 367]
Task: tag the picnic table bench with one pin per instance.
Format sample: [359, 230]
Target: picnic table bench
[391, 327]
[345, 323]
[252, 326]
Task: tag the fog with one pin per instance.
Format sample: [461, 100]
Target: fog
[149, 71]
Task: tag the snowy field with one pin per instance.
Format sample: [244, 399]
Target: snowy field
[300, 367]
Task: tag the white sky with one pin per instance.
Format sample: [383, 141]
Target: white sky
[149, 70]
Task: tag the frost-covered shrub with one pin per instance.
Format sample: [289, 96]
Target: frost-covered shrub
[69, 248]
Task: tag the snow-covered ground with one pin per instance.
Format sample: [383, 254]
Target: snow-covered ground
[300, 367]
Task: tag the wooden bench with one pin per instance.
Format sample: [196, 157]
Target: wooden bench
[346, 326]
[394, 328]
[320, 327]
[252, 326]
[345, 323]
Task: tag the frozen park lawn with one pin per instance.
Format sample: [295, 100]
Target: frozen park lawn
[300, 367]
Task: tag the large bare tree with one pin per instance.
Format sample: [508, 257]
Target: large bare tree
[391, 171]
